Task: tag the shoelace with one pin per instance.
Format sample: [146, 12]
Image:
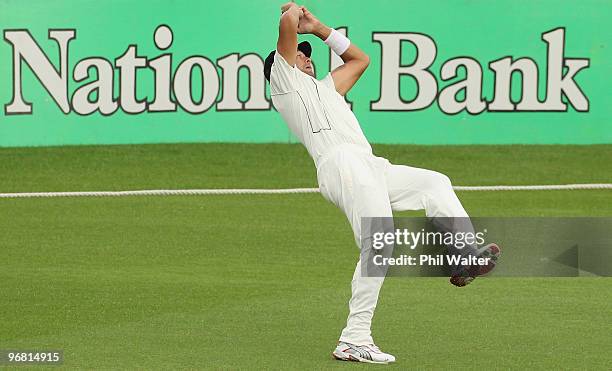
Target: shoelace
[373, 347]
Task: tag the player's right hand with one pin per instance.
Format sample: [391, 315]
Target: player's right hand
[308, 22]
[287, 6]
[292, 7]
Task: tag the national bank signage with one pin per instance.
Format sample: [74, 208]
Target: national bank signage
[107, 84]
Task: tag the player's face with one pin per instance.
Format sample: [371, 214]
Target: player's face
[304, 64]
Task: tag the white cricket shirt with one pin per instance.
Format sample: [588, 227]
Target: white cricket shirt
[313, 110]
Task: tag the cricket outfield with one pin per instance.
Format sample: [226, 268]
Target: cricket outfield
[250, 281]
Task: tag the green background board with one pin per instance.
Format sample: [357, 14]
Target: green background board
[483, 30]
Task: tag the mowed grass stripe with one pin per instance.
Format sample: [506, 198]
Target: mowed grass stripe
[190, 166]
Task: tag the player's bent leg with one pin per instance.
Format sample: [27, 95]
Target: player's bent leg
[414, 189]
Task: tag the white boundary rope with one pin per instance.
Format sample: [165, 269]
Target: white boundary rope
[551, 187]
[198, 192]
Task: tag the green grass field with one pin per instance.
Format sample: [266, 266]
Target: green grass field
[262, 281]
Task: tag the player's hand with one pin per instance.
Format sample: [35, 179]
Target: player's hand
[286, 6]
[291, 6]
[308, 23]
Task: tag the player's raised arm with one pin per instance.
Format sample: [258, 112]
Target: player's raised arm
[355, 63]
[287, 32]
[355, 60]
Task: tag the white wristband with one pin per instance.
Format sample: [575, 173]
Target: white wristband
[337, 42]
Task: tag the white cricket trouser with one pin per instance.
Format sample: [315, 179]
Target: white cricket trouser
[363, 185]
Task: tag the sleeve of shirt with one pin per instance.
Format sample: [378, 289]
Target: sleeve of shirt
[282, 76]
[329, 81]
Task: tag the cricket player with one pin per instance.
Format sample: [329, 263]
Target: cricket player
[349, 174]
